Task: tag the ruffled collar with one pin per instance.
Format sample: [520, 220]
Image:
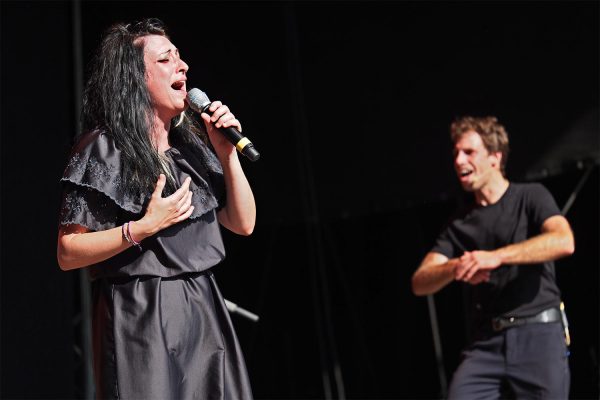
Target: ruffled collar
[95, 162]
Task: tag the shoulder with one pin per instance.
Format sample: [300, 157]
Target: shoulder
[95, 163]
[538, 201]
[93, 157]
[92, 141]
[530, 190]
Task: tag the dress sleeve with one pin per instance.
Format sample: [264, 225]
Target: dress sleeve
[87, 207]
[93, 193]
[540, 205]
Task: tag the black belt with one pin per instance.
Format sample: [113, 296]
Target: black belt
[549, 315]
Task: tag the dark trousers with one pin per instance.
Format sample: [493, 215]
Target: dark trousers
[524, 362]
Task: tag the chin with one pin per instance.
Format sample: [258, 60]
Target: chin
[468, 186]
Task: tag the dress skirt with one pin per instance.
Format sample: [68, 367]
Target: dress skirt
[165, 338]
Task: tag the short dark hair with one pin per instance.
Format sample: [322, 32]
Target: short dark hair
[493, 134]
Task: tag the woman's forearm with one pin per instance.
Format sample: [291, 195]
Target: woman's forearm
[239, 215]
[78, 247]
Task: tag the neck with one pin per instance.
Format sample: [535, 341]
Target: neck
[160, 134]
[492, 191]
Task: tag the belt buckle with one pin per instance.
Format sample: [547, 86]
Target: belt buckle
[497, 325]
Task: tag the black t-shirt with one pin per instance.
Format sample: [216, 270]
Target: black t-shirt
[513, 290]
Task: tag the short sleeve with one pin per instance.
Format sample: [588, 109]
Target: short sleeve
[88, 207]
[540, 205]
[444, 244]
[93, 193]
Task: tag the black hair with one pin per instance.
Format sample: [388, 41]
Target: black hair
[116, 100]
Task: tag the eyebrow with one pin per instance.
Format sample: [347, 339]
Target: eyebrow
[168, 51]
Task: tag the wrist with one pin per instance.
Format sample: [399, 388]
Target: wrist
[140, 230]
[500, 256]
[453, 264]
[229, 156]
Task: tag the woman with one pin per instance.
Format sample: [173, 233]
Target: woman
[144, 193]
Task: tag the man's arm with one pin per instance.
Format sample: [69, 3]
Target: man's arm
[555, 241]
[435, 272]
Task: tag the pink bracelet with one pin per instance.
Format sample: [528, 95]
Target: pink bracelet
[127, 233]
[130, 236]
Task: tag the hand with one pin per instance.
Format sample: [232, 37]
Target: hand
[221, 118]
[473, 262]
[480, 277]
[163, 212]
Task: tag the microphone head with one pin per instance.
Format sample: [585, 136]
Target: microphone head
[198, 100]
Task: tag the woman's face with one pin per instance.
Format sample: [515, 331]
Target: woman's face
[165, 76]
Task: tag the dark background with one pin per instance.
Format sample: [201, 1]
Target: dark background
[349, 104]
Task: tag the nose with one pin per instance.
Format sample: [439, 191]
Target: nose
[183, 66]
[459, 158]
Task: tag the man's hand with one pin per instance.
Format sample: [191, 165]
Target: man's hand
[475, 266]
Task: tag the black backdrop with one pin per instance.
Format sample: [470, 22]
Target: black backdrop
[349, 104]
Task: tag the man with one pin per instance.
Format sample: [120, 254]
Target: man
[502, 247]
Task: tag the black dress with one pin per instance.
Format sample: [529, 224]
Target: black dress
[160, 326]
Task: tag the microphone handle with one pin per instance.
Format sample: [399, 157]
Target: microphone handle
[241, 143]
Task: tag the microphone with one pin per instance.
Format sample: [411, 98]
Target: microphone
[199, 102]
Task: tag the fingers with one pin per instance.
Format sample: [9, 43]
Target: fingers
[479, 277]
[160, 185]
[181, 201]
[185, 215]
[181, 192]
[186, 209]
[462, 268]
[473, 263]
[471, 271]
[205, 118]
[227, 120]
[219, 113]
[222, 116]
[164, 212]
[467, 267]
[214, 105]
[184, 203]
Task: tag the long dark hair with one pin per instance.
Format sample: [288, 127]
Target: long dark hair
[116, 100]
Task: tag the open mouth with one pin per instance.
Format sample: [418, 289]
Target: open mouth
[179, 85]
[463, 173]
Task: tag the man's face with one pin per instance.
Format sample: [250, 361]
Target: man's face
[474, 165]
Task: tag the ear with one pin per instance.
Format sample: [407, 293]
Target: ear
[496, 159]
